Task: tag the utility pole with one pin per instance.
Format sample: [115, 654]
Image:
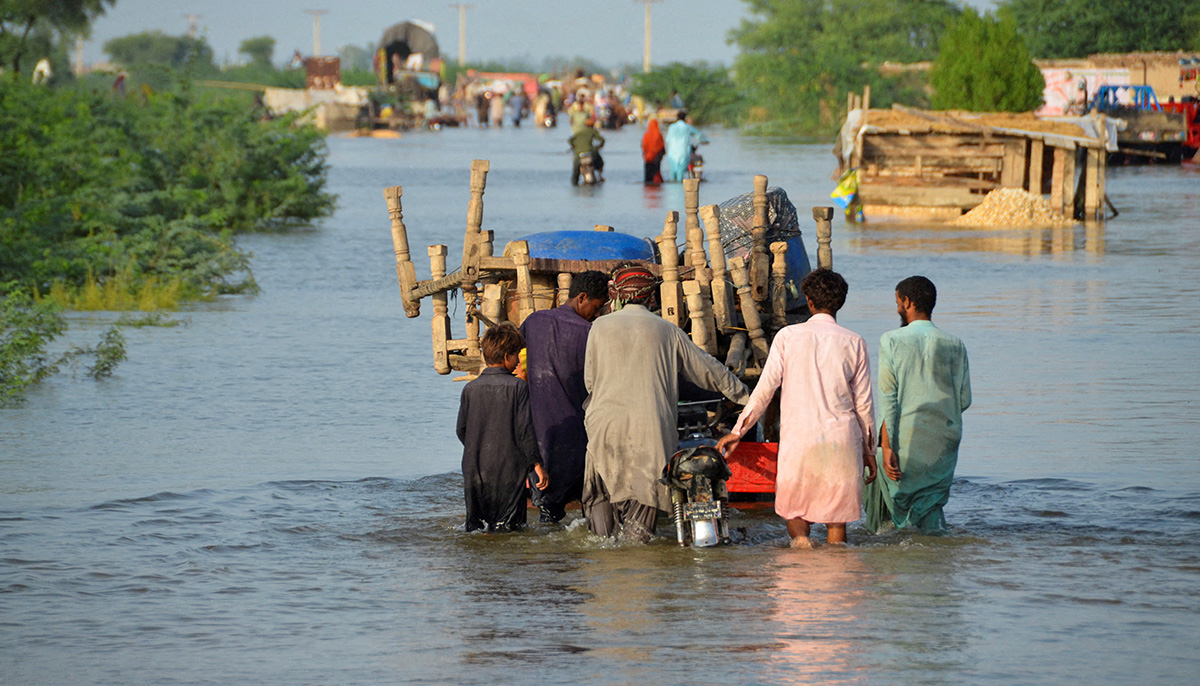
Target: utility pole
[462, 8]
[193, 20]
[316, 15]
[646, 46]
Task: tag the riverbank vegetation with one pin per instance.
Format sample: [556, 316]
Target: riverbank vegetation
[128, 195]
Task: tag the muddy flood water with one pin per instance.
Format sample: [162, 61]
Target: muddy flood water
[270, 493]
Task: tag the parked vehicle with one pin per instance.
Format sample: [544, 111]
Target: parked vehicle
[1151, 132]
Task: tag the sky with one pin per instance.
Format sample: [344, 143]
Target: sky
[609, 32]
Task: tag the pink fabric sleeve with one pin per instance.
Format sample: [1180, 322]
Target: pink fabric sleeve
[764, 390]
[863, 405]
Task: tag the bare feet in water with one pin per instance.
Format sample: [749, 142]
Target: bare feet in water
[802, 542]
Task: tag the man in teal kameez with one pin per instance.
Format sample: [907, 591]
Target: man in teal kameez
[924, 386]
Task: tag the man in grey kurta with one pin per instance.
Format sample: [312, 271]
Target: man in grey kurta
[632, 367]
[924, 387]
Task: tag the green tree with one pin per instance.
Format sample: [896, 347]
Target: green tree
[984, 66]
[260, 50]
[799, 57]
[1078, 28]
[707, 90]
[36, 25]
[155, 48]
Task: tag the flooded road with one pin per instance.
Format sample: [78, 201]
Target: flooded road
[270, 493]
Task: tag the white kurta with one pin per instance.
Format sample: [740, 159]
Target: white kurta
[826, 419]
[631, 369]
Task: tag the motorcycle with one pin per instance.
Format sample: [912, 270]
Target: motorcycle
[587, 169]
[696, 476]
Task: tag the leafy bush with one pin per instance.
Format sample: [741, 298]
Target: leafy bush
[26, 329]
[120, 203]
[984, 66]
[96, 189]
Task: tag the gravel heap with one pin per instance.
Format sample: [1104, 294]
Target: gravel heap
[1013, 207]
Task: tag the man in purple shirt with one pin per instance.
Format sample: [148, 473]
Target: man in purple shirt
[555, 343]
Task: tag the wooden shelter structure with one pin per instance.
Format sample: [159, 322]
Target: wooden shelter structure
[941, 164]
[730, 307]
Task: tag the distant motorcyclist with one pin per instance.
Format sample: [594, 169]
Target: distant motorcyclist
[586, 139]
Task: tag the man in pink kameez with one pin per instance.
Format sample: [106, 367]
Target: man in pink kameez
[826, 415]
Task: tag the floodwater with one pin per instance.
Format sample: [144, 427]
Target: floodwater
[270, 493]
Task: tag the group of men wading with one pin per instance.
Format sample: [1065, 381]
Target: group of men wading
[595, 421]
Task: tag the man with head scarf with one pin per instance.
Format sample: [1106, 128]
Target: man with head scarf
[632, 369]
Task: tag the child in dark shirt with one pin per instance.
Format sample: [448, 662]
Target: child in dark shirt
[496, 430]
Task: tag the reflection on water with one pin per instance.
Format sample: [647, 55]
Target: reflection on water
[817, 612]
[944, 238]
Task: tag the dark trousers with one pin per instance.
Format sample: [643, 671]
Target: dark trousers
[653, 170]
[628, 519]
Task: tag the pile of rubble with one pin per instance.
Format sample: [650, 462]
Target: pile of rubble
[1013, 207]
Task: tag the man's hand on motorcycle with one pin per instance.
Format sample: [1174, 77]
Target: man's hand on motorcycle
[728, 443]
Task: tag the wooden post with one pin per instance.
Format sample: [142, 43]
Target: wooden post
[1091, 200]
[779, 285]
[493, 302]
[1069, 183]
[1102, 168]
[824, 218]
[406, 273]
[866, 98]
[1036, 152]
[693, 234]
[671, 292]
[695, 251]
[722, 295]
[520, 257]
[603, 227]
[564, 289]
[1056, 180]
[702, 334]
[760, 270]
[473, 246]
[441, 319]
[741, 281]
[735, 358]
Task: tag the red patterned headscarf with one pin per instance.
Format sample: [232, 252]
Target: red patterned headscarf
[633, 284]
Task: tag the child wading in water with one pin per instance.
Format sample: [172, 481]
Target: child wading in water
[496, 430]
[826, 415]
